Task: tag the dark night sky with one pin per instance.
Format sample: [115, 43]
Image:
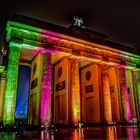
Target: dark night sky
[119, 19]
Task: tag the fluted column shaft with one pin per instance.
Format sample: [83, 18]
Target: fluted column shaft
[11, 85]
[75, 91]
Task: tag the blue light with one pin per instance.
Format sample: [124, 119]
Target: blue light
[21, 110]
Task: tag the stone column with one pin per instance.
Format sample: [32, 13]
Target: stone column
[136, 101]
[131, 92]
[2, 90]
[75, 91]
[137, 82]
[124, 94]
[114, 93]
[11, 85]
[106, 95]
[45, 102]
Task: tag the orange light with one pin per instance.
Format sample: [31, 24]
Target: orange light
[75, 91]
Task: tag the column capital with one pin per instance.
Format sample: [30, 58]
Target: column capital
[14, 45]
[104, 68]
[2, 68]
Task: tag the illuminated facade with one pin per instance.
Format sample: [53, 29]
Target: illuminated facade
[72, 80]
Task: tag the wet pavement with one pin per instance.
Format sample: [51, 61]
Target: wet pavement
[87, 133]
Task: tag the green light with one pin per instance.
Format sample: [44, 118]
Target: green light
[2, 68]
[138, 87]
[11, 86]
[26, 46]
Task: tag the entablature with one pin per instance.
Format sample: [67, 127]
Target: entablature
[29, 36]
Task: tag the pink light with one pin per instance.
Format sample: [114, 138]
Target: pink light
[46, 90]
[126, 105]
[130, 133]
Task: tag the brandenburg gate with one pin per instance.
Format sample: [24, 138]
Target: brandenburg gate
[72, 79]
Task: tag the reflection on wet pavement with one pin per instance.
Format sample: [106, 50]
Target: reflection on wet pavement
[88, 133]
